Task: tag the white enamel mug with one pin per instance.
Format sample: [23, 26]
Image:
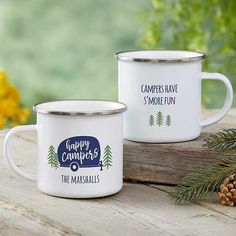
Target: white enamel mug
[162, 90]
[80, 148]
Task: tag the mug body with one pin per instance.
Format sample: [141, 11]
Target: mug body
[79, 155]
[163, 96]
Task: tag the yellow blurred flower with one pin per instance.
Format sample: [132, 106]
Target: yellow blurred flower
[2, 121]
[3, 84]
[11, 112]
[8, 108]
[13, 94]
[3, 75]
[23, 115]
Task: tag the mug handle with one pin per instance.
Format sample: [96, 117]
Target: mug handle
[228, 100]
[6, 150]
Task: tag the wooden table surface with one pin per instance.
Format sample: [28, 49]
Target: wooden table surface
[139, 209]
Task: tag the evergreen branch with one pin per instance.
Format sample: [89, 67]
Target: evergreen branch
[204, 182]
[225, 139]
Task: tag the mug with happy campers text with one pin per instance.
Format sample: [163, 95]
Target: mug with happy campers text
[162, 90]
[80, 148]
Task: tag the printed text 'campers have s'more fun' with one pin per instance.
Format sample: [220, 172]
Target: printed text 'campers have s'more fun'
[159, 94]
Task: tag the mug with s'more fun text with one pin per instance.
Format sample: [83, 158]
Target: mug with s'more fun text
[162, 90]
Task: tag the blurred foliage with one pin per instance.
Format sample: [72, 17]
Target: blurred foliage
[54, 49]
[208, 26]
[11, 112]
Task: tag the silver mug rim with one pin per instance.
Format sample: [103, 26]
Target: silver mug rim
[37, 109]
[121, 57]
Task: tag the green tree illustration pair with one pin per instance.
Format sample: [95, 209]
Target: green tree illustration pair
[53, 158]
[159, 120]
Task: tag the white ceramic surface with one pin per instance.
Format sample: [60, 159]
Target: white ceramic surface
[162, 90]
[87, 143]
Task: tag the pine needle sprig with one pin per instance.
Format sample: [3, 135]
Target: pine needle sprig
[222, 140]
[204, 182]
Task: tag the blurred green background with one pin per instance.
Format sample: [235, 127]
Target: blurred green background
[53, 49]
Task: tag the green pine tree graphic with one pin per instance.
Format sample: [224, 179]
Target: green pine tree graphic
[168, 120]
[52, 158]
[107, 158]
[151, 120]
[159, 119]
